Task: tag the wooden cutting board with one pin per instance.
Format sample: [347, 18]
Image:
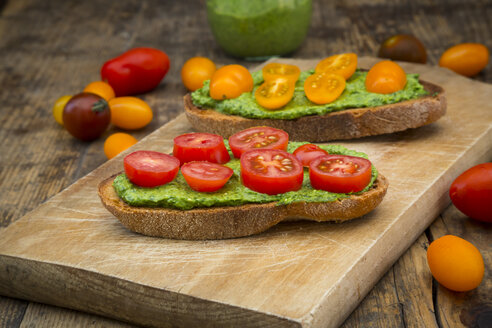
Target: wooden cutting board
[72, 253]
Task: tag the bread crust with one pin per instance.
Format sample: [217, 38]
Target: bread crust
[234, 221]
[345, 124]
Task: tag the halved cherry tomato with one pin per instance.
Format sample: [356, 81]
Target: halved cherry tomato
[258, 137]
[467, 59]
[323, 88]
[101, 89]
[197, 146]
[340, 173]
[150, 168]
[385, 77]
[308, 152]
[195, 71]
[206, 176]
[230, 81]
[271, 171]
[275, 93]
[343, 64]
[130, 113]
[276, 70]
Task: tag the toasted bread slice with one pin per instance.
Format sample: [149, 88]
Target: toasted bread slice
[344, 124]
[234, 221]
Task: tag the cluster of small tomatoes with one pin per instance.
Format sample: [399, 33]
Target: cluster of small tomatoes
[266, 166]
[88, 114]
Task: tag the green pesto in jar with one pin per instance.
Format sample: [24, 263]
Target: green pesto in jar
[178, 195]
[355, 95]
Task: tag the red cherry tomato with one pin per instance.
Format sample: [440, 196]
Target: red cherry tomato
[258, 137]
[271, 171]
[200, 147]
[340, 173]
[471, 192]
[308, 152]
[206, 176]
[138, 70]
[86, 116]
[150, 168]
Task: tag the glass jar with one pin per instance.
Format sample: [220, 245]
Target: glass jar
[259, 29]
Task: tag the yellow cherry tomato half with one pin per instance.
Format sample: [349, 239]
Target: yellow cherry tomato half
[273, 94]
[386, 77]
[276, 70]
[323, 88]
[195, 71]
[342, 64]
[58, 108]
[230, 81]
[100, 88]
[455, 263]
[467, 59]
[130, 113]
[118, 142]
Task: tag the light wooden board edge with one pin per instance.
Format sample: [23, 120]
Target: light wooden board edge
[39, 282]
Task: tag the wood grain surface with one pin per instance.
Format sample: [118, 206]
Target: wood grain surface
[52, 48]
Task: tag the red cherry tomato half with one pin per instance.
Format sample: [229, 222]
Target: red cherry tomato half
[258, 137]
[206, 176]
[340, 173]
[271, 171]
[308, 152]
[200, 147]
[150, 168]
[138, 70]
[471, 192]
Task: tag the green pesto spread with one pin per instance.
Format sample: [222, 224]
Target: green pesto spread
[178, 195]
[355, 95]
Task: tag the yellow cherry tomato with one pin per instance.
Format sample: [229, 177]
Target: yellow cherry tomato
[342, 64]
[273, 94]
[385, 77]
[101, 89]
[455, 263]
[467, 59]
[58, 108]
[195, 71]
[118, 142]
[230, 81]
[323, 88]
[130, 113]
[273, 71]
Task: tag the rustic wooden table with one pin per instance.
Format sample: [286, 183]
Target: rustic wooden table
[52, 48]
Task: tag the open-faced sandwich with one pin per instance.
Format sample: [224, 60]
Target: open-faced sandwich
[211, 188]
[333, 101]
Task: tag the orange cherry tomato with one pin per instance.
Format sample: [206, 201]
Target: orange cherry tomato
[230, 81]
[323, 88]
[467, 59]
[276, 70]
[206, 176]
[118, 142]
[130, 113]
[195, 71]
[343, 64]
[273, 94]
[58, 108]
[385, 77]
[101, 89]
[455, 263]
